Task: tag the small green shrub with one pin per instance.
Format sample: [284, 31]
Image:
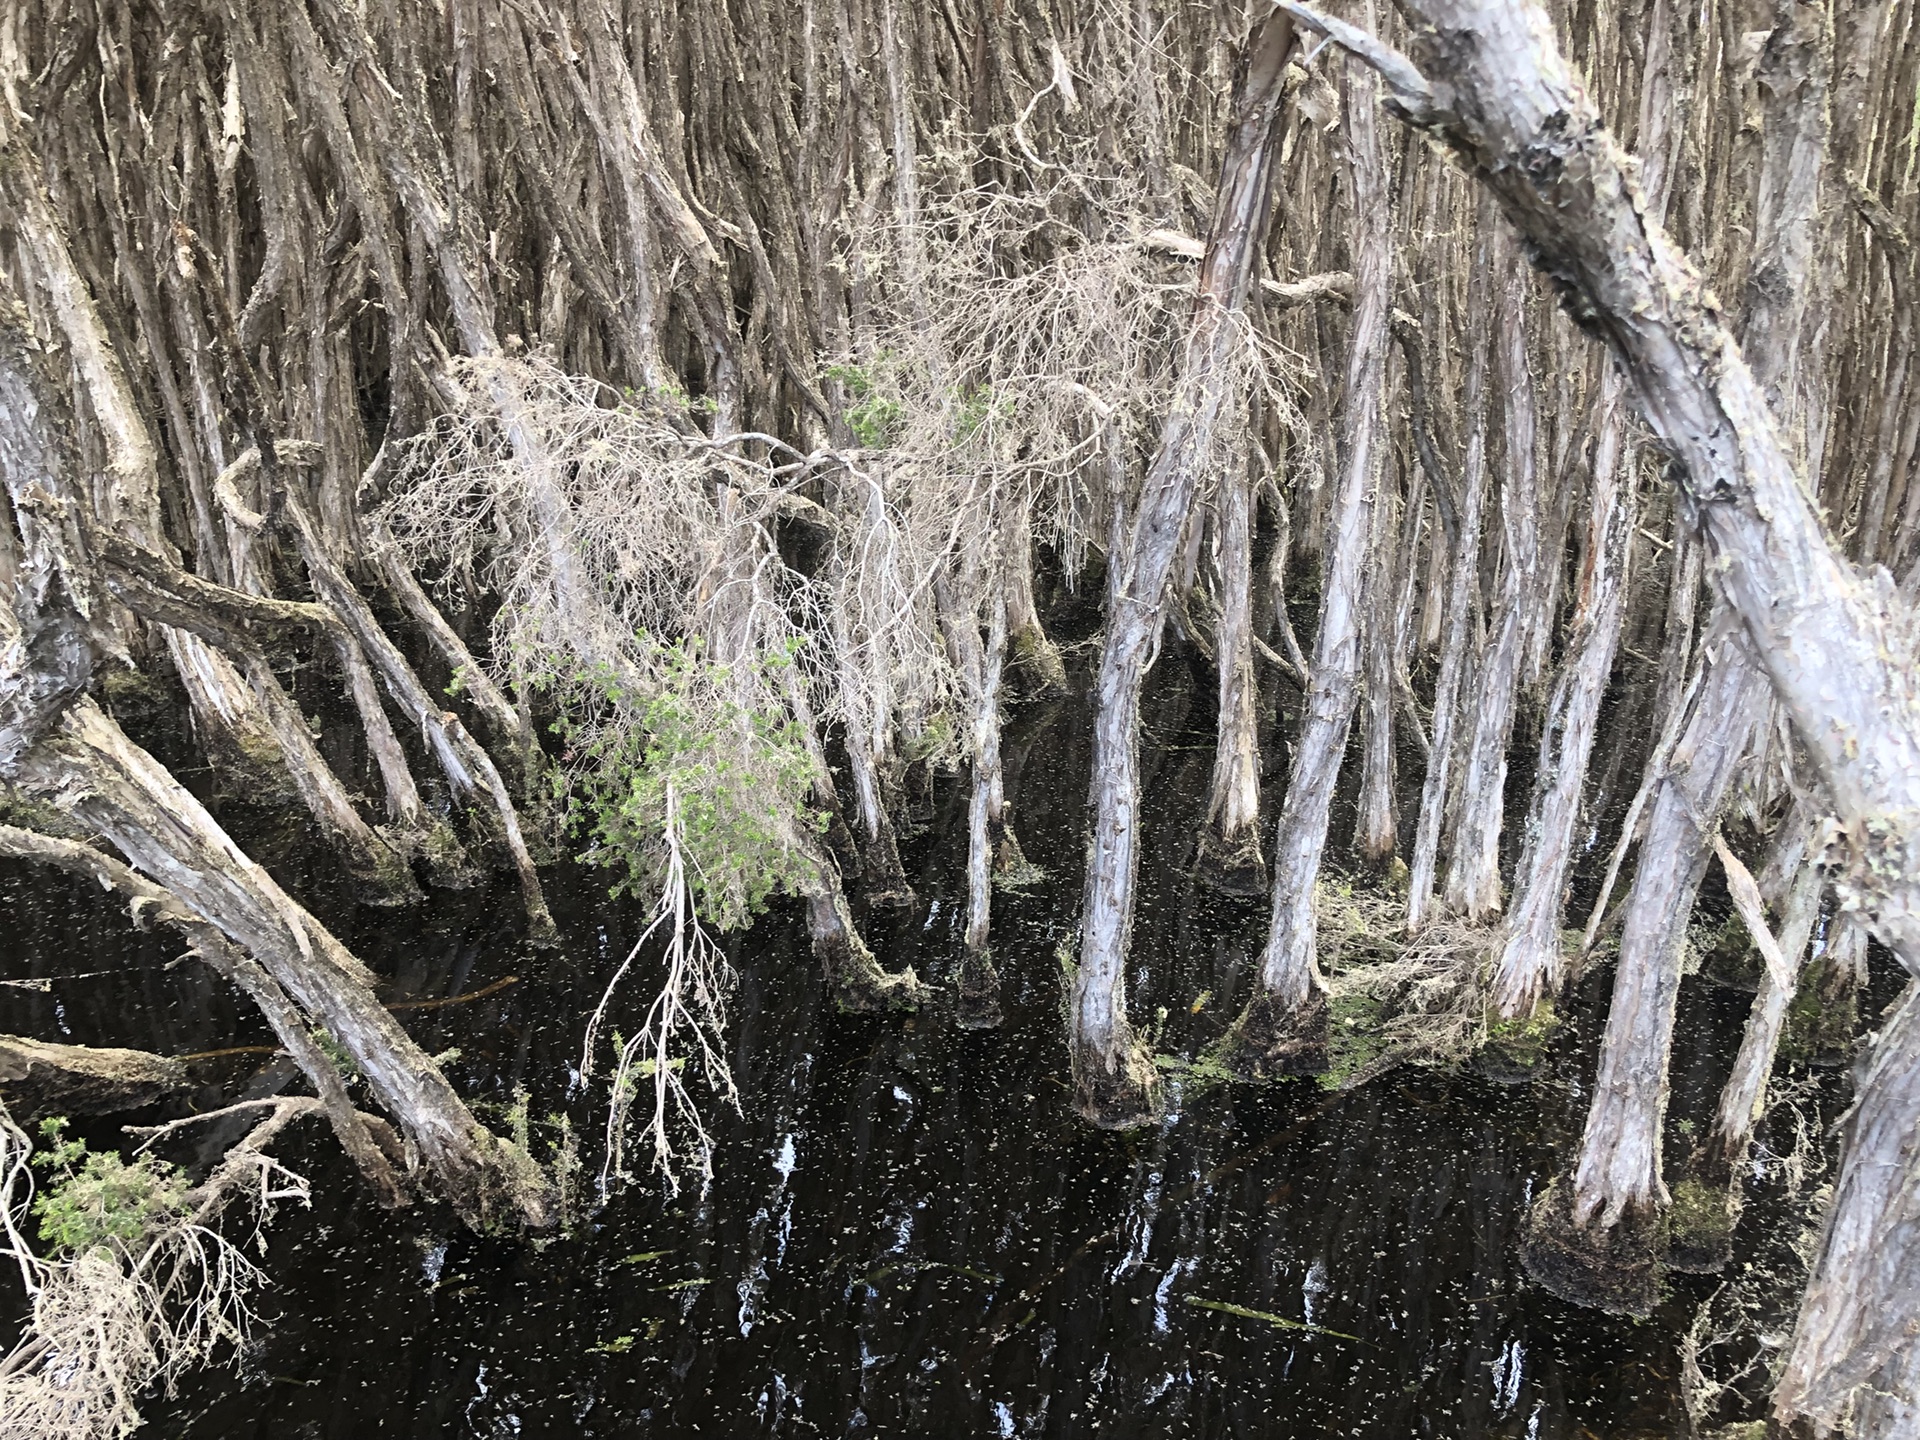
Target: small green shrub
[100, 1199]
[872, 416]
[731, 781]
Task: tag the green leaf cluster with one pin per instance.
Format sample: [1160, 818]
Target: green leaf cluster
[735, 779]
[872, 416]
[95, 1200]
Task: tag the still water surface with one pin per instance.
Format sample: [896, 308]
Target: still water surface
[908, 1234]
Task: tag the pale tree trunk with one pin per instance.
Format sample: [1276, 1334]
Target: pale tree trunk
[1594, 1240]
[1378, 836]
[1230, 858]
[1284, 1025]
[1531, 968]
[991, 848]
[1836, 649]
[1113, 1080]
[1473, 878]
[1463, 601]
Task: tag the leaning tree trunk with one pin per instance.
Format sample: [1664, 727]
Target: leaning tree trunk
[1837, 649]
[56, 745]
[1284, 1025]
[1113, 1080]
[1708, 1199]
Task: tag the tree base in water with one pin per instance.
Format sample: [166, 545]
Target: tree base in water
[1231, 867]
[1706, 1206]
[1037, 671]
[979, 1007]
[1514, 1049]
[1122, 1098]
[858, 984]
[1269, 1041]
[1823, 1022]
[1614, 1269]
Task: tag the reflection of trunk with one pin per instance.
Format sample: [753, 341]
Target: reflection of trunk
[1112, 1078]
[1531, 969]
[1230, 858]
[1284, 1025]
[1473, 878]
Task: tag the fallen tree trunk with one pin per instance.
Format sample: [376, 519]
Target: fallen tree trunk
[38, 1078]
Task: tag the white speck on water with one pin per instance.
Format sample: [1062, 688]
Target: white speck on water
[1312, 1287]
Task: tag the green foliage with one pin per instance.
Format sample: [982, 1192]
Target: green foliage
[731, 781]
[873, 416]
[1523, 1041]
[341, 1057]
[99, 1199]
[1354, 1041]
[1700, 1214]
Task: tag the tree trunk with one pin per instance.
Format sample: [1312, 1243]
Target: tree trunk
[1473, 878]
[1230, 859]
[1283, 1028]
[1531, 968]
[1463, 592]
[1113, 1080]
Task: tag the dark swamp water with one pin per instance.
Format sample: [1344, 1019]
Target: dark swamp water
[908, 1233]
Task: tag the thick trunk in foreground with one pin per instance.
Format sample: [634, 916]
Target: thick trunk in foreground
[1284, 1026]
[1836, 648]
[1113, 1079]
[1607, 1255]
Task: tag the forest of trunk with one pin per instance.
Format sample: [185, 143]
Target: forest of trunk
[450, 437]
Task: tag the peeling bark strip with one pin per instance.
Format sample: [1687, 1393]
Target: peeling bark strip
[1113, 1082]
[1838, 648]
